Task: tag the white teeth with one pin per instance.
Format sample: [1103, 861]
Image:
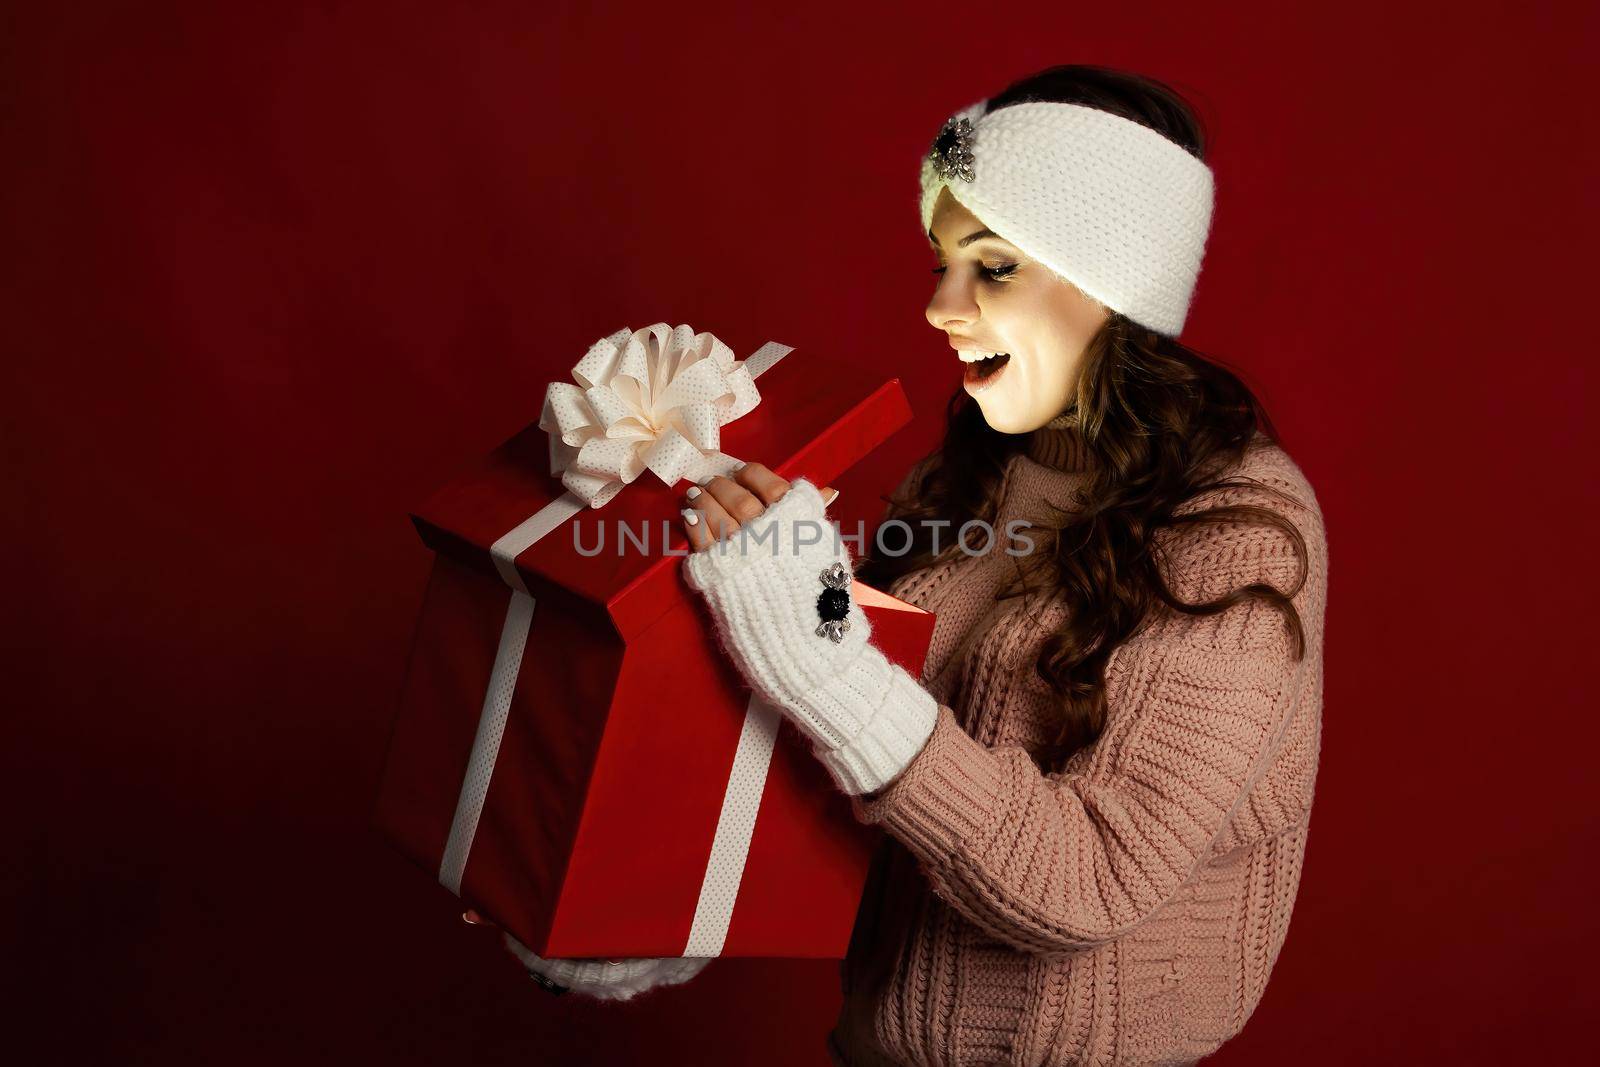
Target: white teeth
[974, 355]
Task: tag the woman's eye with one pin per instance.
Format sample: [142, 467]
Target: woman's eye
[993, 273]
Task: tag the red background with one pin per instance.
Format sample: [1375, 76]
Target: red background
[272, 275]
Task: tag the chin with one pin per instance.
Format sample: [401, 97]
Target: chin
[1003, 417]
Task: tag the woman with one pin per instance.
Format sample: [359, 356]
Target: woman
[1097, 794]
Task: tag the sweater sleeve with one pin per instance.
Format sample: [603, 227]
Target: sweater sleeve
[1056, 863]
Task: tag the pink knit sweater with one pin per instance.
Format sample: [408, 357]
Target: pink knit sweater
[1129, 905]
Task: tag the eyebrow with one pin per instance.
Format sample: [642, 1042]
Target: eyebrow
[968, 239]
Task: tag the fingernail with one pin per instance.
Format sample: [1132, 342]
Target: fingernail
[833, 494]
[467, 918]
[691, 516]
[694, 491]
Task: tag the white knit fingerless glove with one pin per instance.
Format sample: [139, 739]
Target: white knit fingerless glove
[604, 980]
[865, 716]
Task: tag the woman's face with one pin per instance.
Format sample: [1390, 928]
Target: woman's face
[993, 299]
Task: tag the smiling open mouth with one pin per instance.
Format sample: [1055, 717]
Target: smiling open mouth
[982, 370]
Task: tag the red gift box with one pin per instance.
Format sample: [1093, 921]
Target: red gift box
[574, 754]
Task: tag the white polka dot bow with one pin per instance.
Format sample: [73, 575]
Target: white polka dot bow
[654, 399]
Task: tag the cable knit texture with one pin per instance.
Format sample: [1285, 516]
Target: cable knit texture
[1128, 905]
[864, 716]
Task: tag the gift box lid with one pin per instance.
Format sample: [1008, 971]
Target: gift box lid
[818, 416]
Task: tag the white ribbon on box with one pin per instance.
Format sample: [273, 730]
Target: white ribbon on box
[648, 400]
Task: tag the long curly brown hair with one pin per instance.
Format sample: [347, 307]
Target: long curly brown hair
[1161, 423]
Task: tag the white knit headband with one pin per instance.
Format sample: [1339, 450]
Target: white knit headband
[1109, 204]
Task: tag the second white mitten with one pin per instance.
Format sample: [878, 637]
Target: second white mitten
[605, 980]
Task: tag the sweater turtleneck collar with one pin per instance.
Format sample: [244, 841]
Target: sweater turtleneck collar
[1060, 444]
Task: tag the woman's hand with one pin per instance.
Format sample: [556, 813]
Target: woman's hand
[778, 591]
[717, 510]
[603, 979]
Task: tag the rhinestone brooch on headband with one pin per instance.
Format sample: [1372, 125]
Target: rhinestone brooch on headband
[834, 603]
[952, 151]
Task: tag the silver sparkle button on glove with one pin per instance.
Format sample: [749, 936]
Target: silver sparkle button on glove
[833, 605]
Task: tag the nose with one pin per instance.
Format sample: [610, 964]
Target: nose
[953, 306]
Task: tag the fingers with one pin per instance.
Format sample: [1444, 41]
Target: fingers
[719, 507]
[705, 518]
[694, 525]
[716, 510]
[759, 479]
[736, 499]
